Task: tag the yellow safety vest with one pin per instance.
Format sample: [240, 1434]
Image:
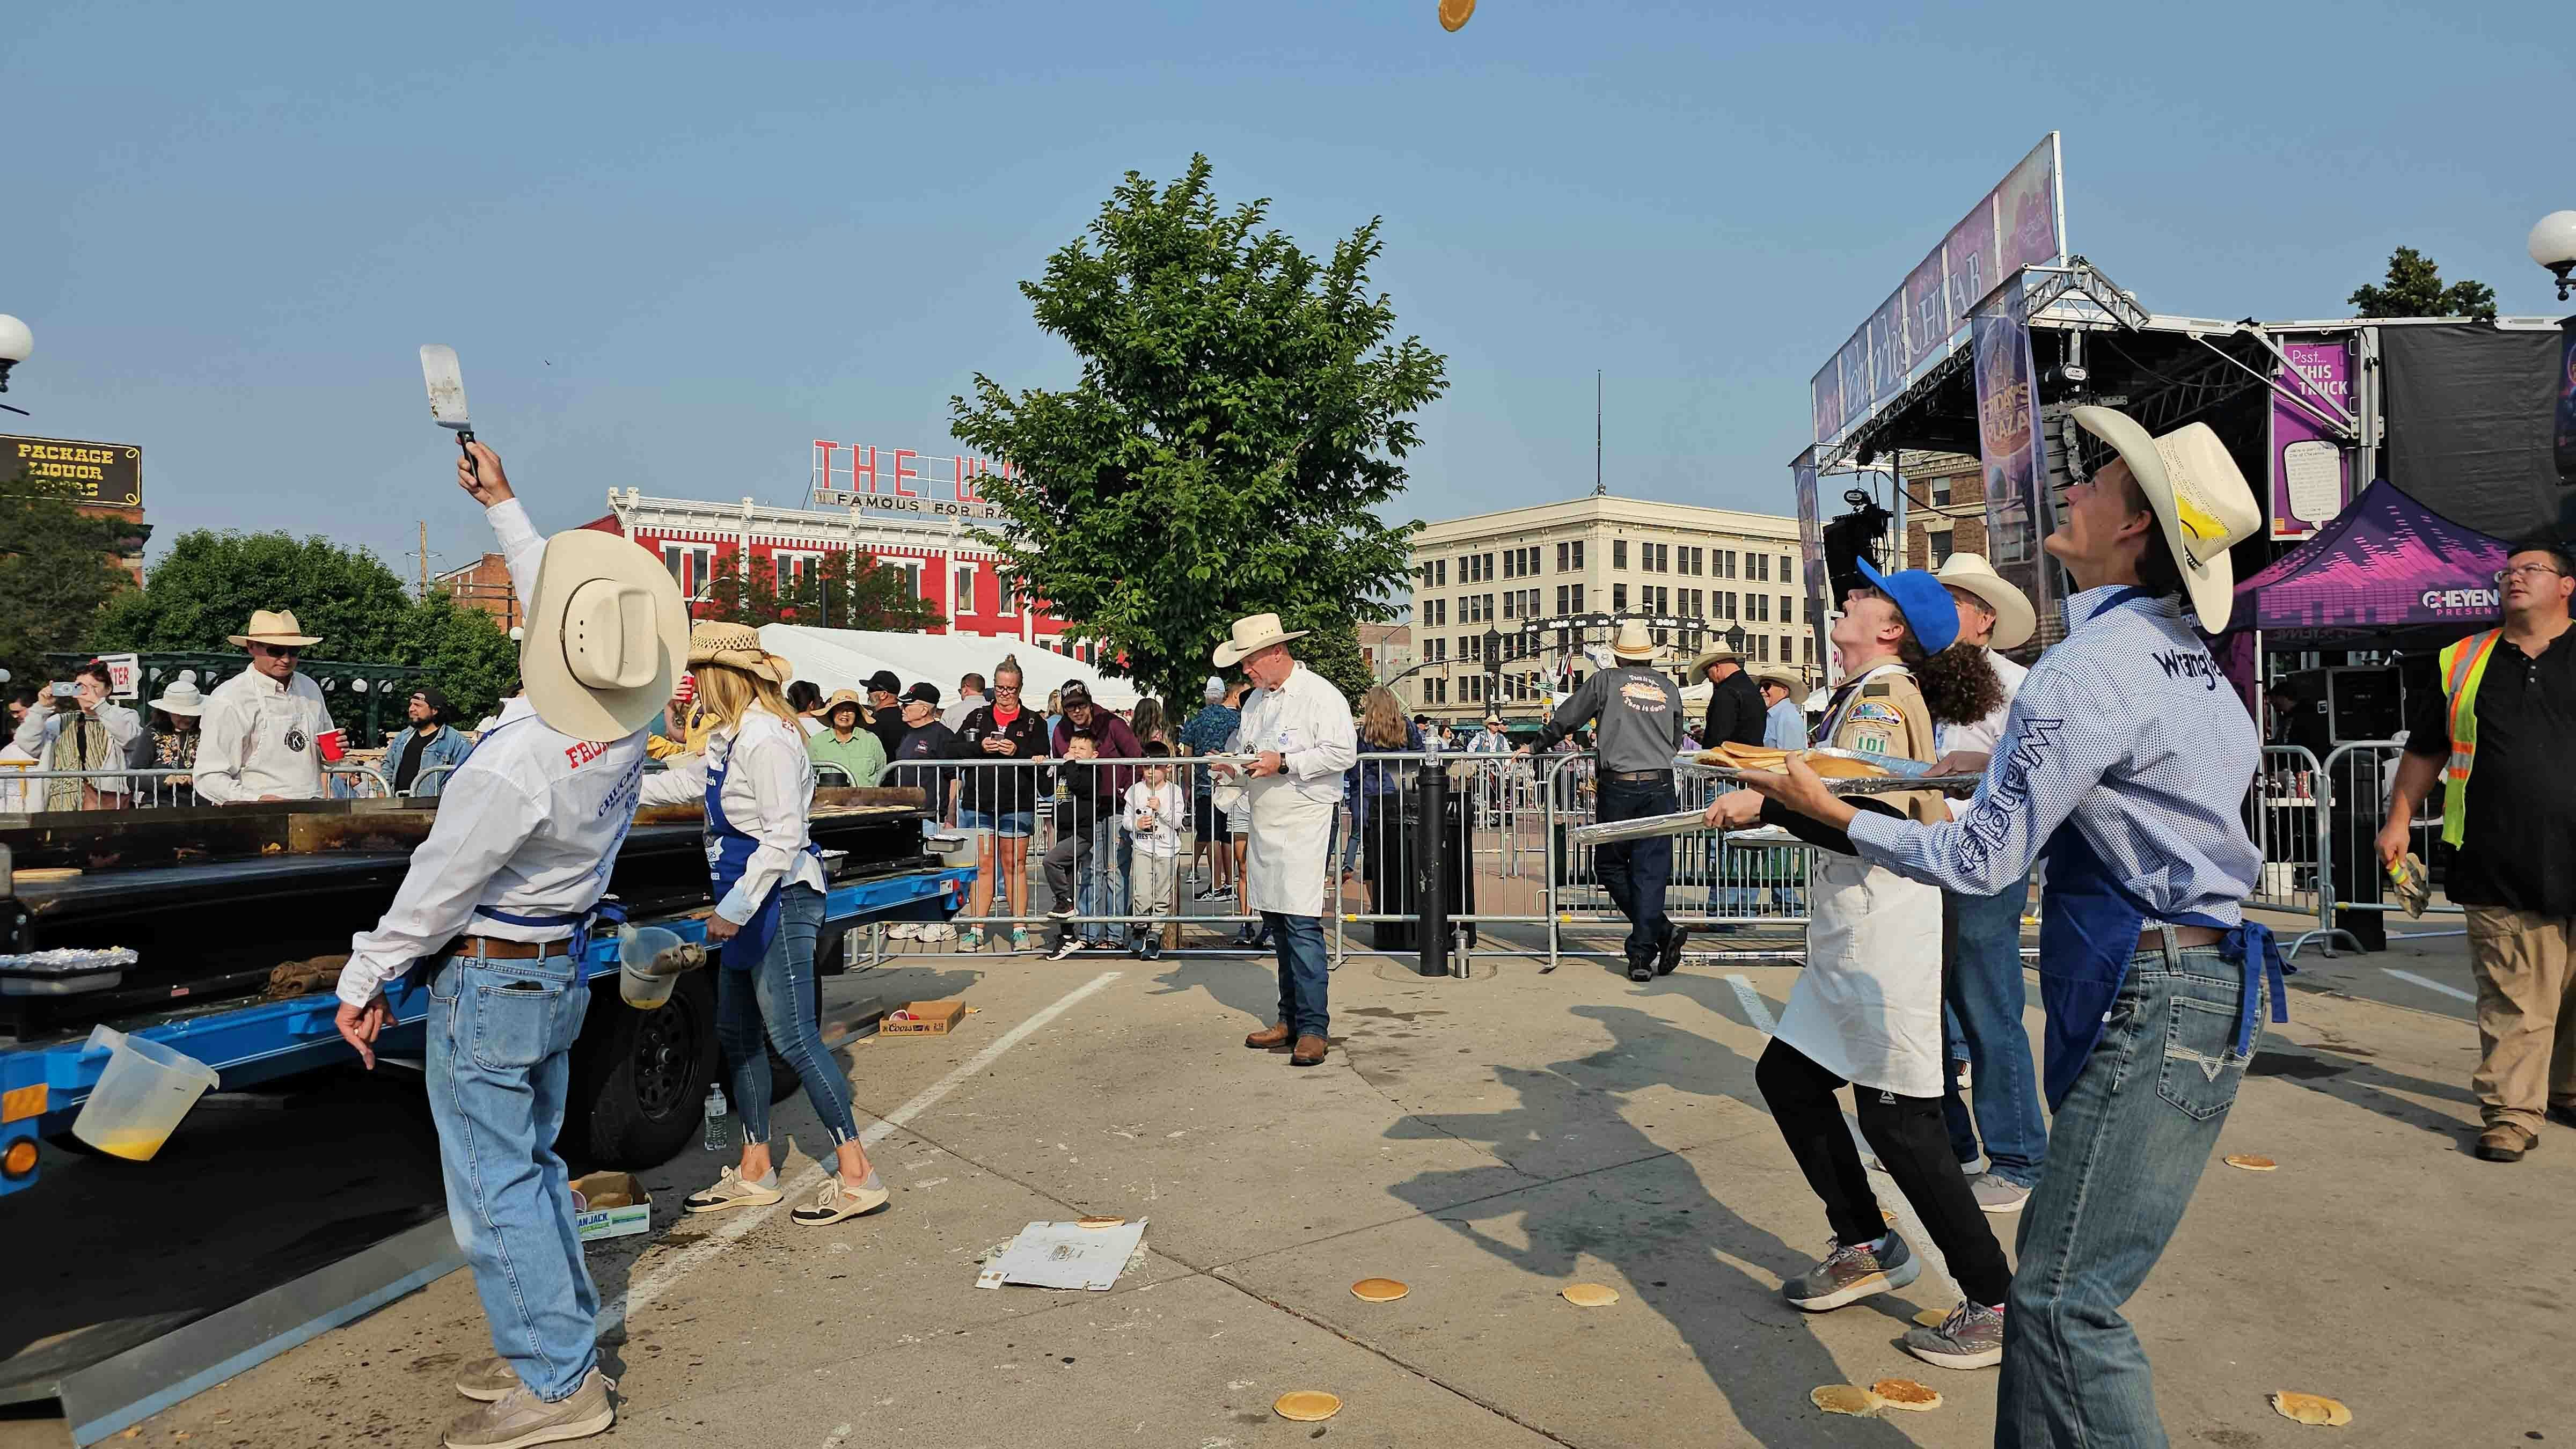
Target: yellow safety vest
[2463, 665]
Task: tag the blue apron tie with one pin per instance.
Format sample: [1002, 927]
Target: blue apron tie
[610, 911]
[729, 853]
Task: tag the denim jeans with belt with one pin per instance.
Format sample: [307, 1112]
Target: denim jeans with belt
[774, 1002]
[2131, 1139]
[500, 1043]
[1982, 987]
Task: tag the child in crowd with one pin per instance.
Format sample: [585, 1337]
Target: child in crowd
[1152, 816]
[1078, 808]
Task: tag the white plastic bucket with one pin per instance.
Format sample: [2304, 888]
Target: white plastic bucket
[140, 1097]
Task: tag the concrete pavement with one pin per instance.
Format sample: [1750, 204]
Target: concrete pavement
[1488, 1141]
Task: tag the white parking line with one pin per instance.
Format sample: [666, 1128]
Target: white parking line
[2411, 979]
[1756, 1010]
[642, 1292]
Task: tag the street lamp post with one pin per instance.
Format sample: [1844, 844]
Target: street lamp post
[2552, 245]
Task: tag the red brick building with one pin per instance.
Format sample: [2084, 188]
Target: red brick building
[483, 584]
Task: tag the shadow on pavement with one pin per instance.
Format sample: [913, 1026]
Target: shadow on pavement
[1647, 1215]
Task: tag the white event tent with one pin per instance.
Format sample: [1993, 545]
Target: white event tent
[844, 658]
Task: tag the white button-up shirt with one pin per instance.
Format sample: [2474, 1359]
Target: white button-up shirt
[1980, 736]
[1308, 723]
[768, 792]
[258, 739]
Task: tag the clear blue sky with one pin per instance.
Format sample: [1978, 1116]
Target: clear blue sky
[674, 244]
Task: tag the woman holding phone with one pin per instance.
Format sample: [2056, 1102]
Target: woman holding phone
[757, 783]
[999, 799]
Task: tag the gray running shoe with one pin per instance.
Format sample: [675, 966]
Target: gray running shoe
[1996, 1195]
[1971, 1337]
[1850, 1274]
[519, 1419]
[488, 1381]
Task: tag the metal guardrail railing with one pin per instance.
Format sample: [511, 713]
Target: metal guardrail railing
[29, 790]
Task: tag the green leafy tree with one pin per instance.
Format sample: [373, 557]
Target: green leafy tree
[1241, 417]
[55, 579]
[2415, 290]
[207, 587]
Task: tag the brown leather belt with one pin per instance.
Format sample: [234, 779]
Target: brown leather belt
[2153, 938]
[493, 948]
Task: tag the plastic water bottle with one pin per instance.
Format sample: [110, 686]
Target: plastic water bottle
[719, 1128]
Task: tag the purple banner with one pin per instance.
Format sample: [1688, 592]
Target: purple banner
[2011, 446]
[2565, 447]
[2020, 221]
[2311, 465]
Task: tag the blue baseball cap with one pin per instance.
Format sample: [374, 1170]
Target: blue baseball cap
[1924, 601]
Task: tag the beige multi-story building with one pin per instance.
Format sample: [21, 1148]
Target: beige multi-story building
[1478, 580]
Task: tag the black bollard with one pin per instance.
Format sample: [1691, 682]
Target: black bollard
[1431, 848]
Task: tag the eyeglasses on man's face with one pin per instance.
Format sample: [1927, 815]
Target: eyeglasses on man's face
[2535, 572]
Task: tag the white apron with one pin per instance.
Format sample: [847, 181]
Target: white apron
[1291, 837]
[1868, 1006]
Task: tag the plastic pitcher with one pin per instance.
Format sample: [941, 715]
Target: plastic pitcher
[650, 961]
[140, 1097]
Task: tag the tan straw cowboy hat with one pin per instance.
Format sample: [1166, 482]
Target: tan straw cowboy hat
[1699, 667]
[1633, 642]
[273, 626]
[2014, 617]
[606, 636]
[736, 646]
[1250, 637]
[2198, 494]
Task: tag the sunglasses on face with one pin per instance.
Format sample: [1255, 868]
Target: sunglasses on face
[282, 651]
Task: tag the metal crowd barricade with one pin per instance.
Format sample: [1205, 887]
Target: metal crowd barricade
[1736, 879]
[2361, 775]
[25, 791]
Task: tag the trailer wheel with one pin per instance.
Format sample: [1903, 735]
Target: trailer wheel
[639, 1078]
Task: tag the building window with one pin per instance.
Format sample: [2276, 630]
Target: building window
[792, 571]
[1940, 492]
[1762, 648]
[1941, 547]
[963, 591]
[692, 566]
[1726, 564]
[1578, 599]
[1788, 608]
[1618, 553]
[1511, 603]
[1618, 598]
[1511, 563]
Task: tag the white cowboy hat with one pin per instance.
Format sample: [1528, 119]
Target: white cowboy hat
[736, 646]
[606, 635]
[1788, 684]
[181, 698]
[2197, 492]
[1250, 637]
[1632, 641]
[2014, 618]
[1699, 667]
[273, 627]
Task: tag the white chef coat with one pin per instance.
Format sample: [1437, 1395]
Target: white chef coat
[768, 791]
[1308, 723]
[1981, 736]
[258, 739]
[529, 825]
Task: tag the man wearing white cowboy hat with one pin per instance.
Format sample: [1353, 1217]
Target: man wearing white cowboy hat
[497, 908]
[2125, 759]
[1640, 714]
[262, 726]
[1981, 981]
[1298, 729]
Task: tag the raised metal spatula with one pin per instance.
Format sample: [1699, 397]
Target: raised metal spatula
[447, 395]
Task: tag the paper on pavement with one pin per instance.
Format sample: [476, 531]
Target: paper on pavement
[1065, 1255]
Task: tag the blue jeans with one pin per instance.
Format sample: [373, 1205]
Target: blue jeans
[1102, 890]
[1303, 979]
[500, 1043]
[774, 1002]
[1636, 872]
[2132, 1137]
[1981, 995]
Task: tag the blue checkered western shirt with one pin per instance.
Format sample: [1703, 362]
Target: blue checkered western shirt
[2126, 731]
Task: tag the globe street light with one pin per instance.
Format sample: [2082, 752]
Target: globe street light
[2553, 245]
[17, 344]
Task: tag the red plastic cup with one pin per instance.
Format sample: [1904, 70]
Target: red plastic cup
[333, 744]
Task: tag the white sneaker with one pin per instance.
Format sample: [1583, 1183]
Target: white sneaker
[839, 1200]
[733, 1190]
[905, 931]
[939, 932]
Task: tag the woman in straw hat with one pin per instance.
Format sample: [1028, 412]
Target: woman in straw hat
[1867, 1010]
[175, 735]
[497, 909]
[2124, 759]
[756, 781]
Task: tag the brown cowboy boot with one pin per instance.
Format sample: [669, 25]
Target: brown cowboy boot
[1310, 1051]
[1270, 1039]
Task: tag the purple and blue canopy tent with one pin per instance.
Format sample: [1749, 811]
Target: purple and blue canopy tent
[2387, 572]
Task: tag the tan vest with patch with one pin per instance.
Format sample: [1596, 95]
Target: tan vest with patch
[1891, 720]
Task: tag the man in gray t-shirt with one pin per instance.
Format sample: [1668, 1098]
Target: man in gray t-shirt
[1640, 720]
